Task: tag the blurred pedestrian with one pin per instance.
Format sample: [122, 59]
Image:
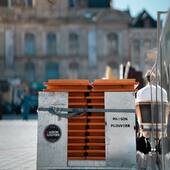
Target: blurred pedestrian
[25, 105]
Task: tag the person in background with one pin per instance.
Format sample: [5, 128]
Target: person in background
[25, 104]
[148, 94]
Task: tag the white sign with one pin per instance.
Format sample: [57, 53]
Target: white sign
[120, 130]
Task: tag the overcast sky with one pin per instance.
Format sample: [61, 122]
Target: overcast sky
[136, 6]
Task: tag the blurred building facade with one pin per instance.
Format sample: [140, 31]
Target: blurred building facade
[143, 39]
[70, 39]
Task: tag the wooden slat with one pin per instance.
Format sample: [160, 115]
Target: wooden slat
[95, 151]
[95, 97]
[88, 137]
[85, 117]
[87, 144]
[95, 158]
[77, 97]
[77, 120]
[96, 94]
[65, 90]
[97, 114]
[86, 123]
[98, 132]
[95, 104]
[77, 147]
[87, 158]
[70, 87]
[106, 82]
[76, 158]
[78, 104]
[76, 94]
[81, 119]
[113, 90]
[75, 151]
[69, 82]
[76, 154]
[105, 87]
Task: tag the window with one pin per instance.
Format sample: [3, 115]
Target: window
[17, 2]
[4, 3]
[9, 48]
[51, 44]
[72, 3]
[30, 44]
[9, 3]
[73, 43]
[29, 3]
[78, 3]
[73, 65]
[73, 70]
[30, 72]
[136, 51]
[52, 71]
[24, 3]
[113, 43]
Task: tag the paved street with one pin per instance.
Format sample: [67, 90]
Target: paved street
[18, 144]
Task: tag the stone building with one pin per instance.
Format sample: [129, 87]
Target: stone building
[143, 38]
[67, 39]
[44, 39]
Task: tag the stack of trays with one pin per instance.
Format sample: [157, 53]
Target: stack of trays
[86, 133]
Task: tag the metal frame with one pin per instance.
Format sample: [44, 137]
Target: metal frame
[73, 112]
[159, 13]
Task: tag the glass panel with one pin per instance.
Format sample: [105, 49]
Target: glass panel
[72, 3]
[73, 43]
[30, 71]
[136, 51]
[30, 44]
[52, 71]
[24, 3]
[113, 43]
[29, 3]
[51, 44]
[98, 3]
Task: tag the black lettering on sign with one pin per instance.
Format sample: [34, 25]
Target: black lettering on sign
[114, 118]
[120, 125]
[120, 118]
[124, 118]
[52, 133]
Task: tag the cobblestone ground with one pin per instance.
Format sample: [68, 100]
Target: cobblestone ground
[18, 144]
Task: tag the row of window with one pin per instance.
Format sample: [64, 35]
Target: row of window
[74, 43]
[30, 44]
[13, 3]
[51, 43]
[51, 71]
